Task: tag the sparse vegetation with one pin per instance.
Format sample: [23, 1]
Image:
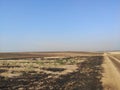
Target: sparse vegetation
[69, 73]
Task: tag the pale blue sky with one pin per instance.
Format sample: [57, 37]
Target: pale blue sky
[59, 25]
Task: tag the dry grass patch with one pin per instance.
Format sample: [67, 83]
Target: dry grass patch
[74, 73]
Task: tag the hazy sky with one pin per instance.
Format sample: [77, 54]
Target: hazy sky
[59, 25]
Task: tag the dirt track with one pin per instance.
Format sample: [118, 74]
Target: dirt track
[111, 75]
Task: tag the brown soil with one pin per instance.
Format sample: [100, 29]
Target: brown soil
[111, 75]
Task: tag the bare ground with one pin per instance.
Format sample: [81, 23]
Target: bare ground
[60, 71]
[111, 75]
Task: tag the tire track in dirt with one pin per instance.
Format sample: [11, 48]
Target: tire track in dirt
[116, 62]
[111, 75]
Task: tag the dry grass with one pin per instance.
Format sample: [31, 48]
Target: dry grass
[74, 73]
[16, 67]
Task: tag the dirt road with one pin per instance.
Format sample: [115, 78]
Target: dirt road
[111, 74]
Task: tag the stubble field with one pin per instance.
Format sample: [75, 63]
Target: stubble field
[61, 71]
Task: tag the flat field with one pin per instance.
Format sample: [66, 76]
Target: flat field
[51, 71]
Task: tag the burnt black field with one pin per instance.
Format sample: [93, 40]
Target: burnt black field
[87, 76]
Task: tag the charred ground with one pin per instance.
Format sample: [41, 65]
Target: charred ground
[58, 74]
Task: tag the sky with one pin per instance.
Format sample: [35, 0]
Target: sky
[59, 25]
